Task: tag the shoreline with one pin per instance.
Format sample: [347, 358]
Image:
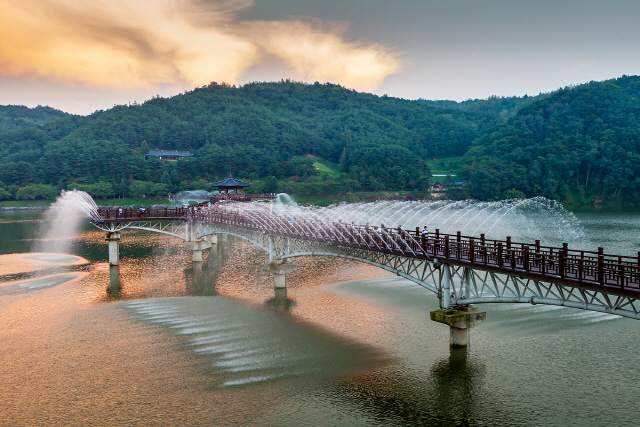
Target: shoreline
[24, 208]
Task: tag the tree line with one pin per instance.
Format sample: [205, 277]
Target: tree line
[255, 132]
[576, 144]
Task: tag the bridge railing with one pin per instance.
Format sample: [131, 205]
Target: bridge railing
[128, 214]
[545, 261]
[532, 260]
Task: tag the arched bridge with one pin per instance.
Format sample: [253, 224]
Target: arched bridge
[461, 270]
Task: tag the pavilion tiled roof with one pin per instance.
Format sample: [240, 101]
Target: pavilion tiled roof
[230, 182]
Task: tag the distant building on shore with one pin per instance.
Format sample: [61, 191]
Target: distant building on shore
[167, 155]
[440, 188]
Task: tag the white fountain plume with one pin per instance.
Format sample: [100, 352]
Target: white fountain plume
[63, 220]
[523, 220]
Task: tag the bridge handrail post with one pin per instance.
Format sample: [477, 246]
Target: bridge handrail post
[525, 257]
[601, 266]
[500, 260]
[563, 260]
[446, 246]
[508, 242]
[472, 254]
[537, 246]
[580, 269]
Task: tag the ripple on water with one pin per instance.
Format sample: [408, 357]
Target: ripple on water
[47, 281]
[243, 345]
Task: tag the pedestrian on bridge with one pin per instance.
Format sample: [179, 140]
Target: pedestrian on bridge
[425, 232]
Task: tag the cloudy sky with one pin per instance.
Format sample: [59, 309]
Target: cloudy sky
[80, 56]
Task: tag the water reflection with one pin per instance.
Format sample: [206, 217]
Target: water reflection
[450, 394]
[457, 385]
[280, 303]
[201, 277]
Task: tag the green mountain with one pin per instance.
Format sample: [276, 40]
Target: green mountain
[576, 143]
[18, 117]
[254, 131]
[503, 107]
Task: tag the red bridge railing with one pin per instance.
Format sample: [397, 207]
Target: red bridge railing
[616, 274]
[124, 215]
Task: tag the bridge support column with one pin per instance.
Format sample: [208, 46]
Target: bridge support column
[113, 237]
[280, 272]
[114, 253]
[460, 321]
[196, 248]
[212, 238]
[271, 246]
[446, 286]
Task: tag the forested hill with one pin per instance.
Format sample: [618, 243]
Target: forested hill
[501, 106]
[253, 131]
[581, 142]
[18, 117]
[575, 143]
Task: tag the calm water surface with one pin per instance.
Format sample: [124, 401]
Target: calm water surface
[348, 345]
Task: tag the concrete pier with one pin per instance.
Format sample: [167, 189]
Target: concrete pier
[460, 321]
[196, 248]
[114, 257]
[280, 271]
[114, 252]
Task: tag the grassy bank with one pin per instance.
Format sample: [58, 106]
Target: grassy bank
[25, 203]
[446, 166]
[100, 202]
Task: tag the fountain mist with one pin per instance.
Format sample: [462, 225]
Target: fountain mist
[63, 220]
[523, 220]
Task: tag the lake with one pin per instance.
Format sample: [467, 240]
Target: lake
[348, 345]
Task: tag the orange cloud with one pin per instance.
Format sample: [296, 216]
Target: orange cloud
[144, 43]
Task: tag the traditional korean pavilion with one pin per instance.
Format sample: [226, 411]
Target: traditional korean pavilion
[230, 185]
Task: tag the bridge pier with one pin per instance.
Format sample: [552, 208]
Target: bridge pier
[460, 321]
[114, 237]
[114, 253]
[280, 272]
[196, 248]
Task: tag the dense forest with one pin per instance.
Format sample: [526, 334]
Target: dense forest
[17, 117]
[255, 131]
[577, 144]
[503, 107]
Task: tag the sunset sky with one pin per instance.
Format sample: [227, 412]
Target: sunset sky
[79, 56]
